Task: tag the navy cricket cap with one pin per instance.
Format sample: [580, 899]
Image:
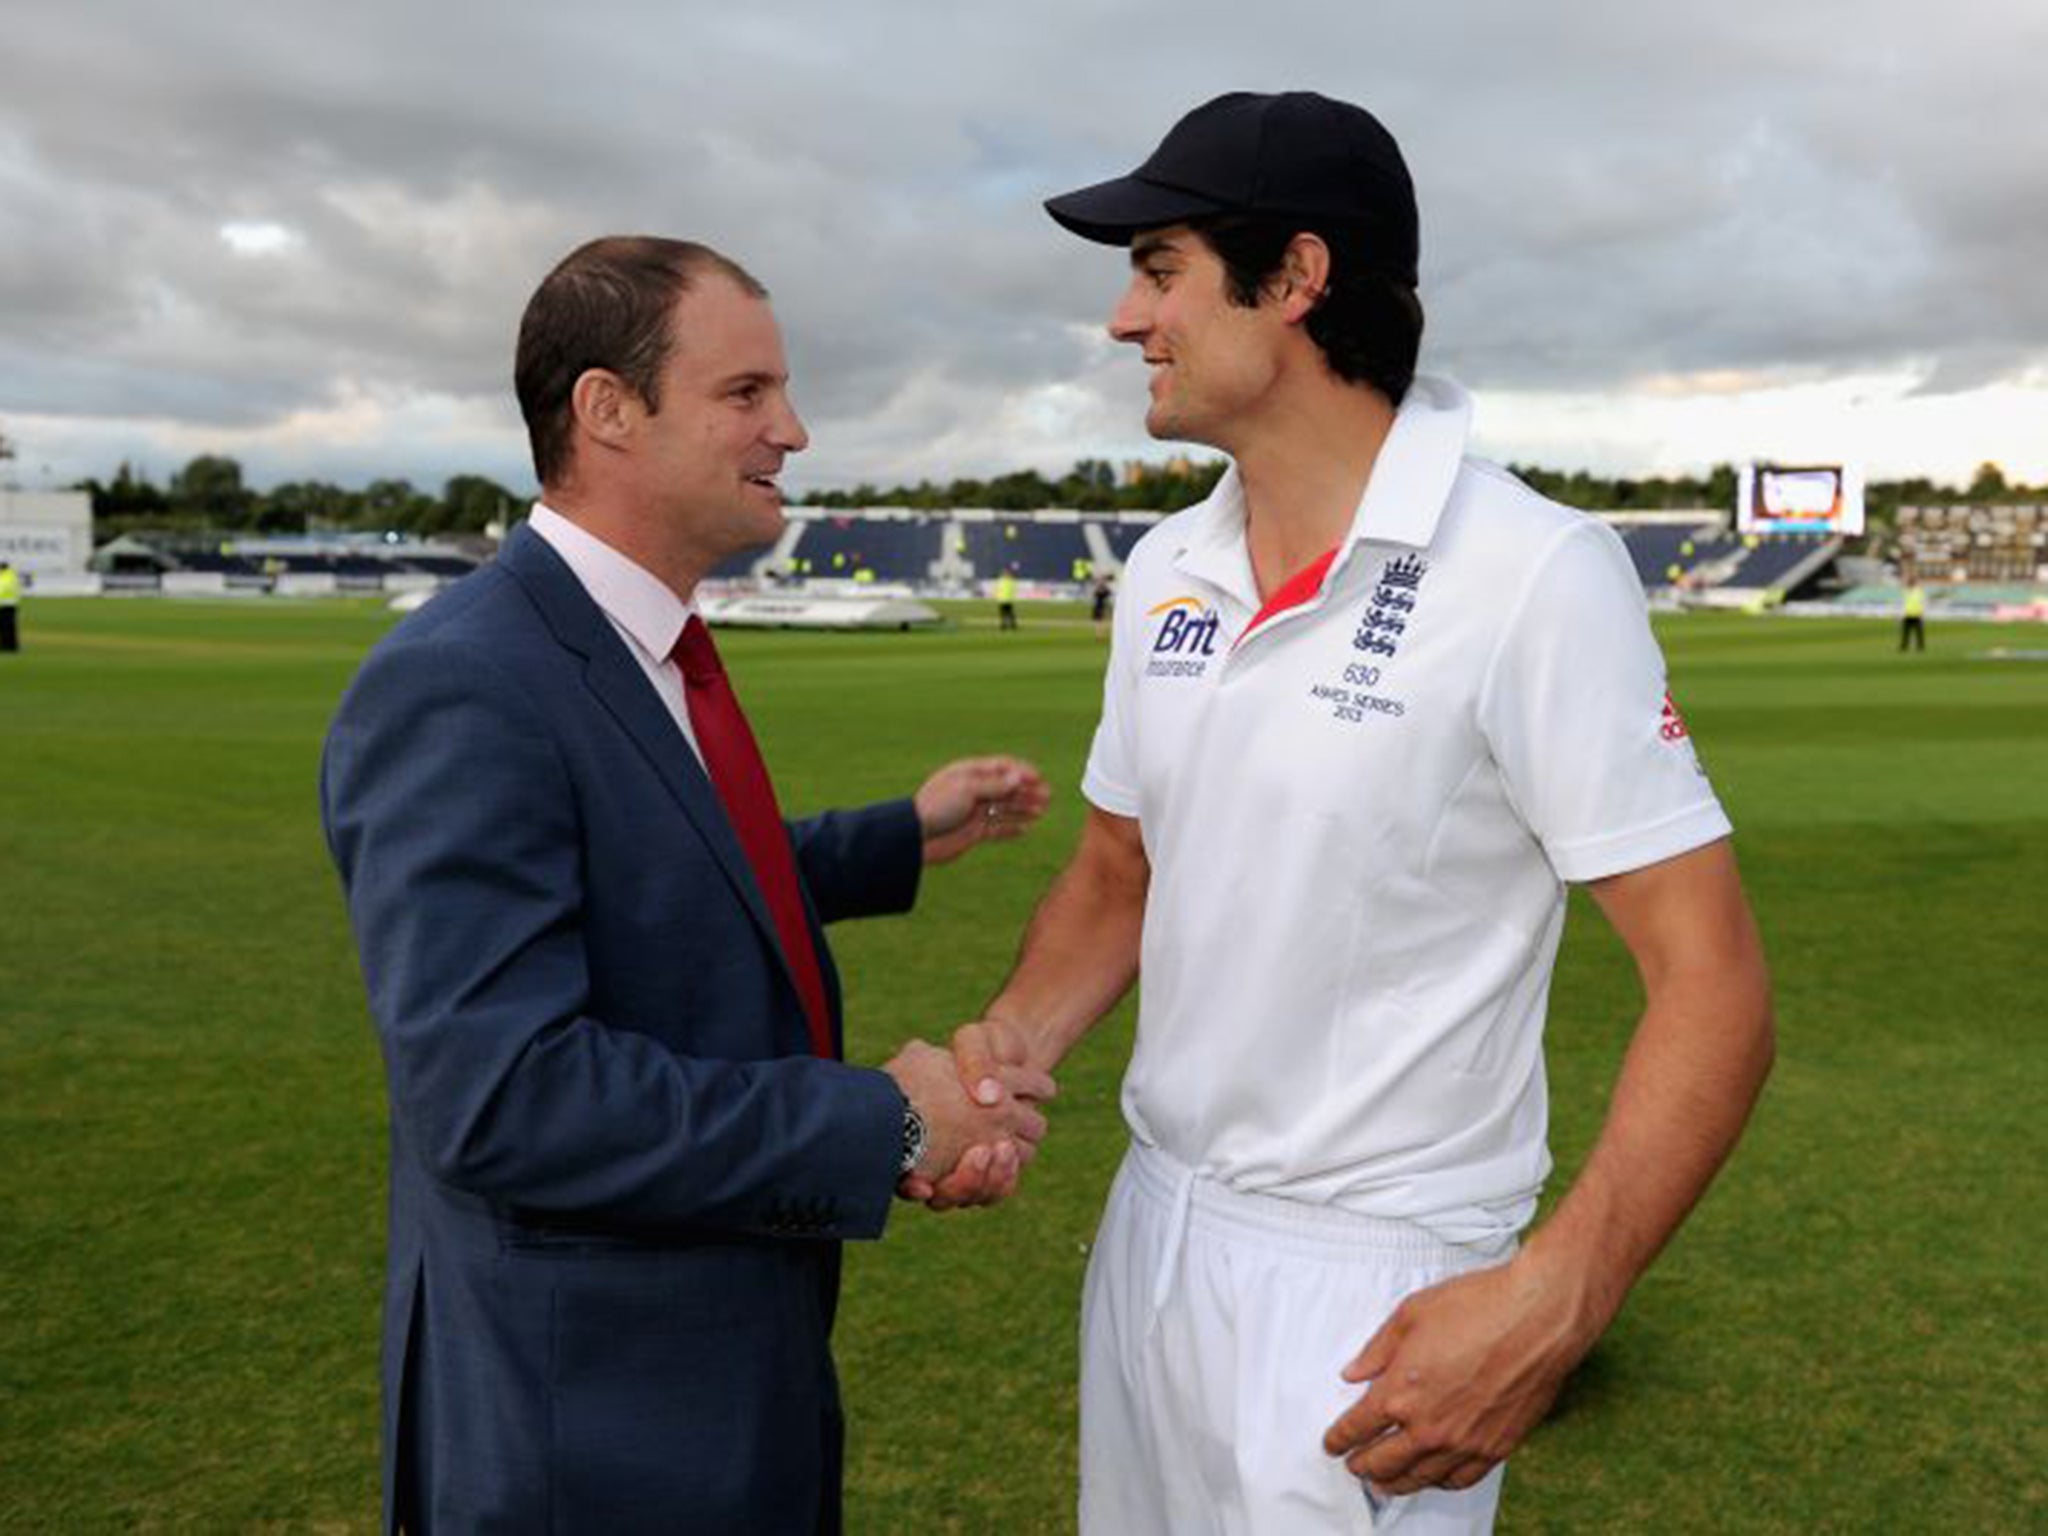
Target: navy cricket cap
[1296, 154]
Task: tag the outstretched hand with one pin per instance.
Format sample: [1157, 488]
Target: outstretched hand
[992, 1064]
[977, 1140]
[978, 800]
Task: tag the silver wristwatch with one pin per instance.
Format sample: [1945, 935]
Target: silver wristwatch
[914, 1138]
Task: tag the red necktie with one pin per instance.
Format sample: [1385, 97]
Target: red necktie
[733, 760]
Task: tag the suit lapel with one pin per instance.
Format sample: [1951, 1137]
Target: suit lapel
[615, 678]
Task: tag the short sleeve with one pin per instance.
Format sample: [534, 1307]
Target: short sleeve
[1110, 781]
[1593, 750]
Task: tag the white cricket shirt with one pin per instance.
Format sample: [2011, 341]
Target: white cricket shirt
[1361, 814]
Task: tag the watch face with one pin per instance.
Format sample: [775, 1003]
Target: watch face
[913, 1139]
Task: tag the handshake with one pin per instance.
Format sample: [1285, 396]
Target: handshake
[979, 1106]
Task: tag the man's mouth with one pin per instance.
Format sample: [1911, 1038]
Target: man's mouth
[765, 480]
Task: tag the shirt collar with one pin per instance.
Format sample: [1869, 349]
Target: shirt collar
[1411, 479]
[631, 596]
[1216, 551]
[1403, 502]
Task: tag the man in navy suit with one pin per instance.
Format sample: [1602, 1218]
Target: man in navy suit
[623, 1148]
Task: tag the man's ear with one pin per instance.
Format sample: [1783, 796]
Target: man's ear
[1303, 277]
[606, 408]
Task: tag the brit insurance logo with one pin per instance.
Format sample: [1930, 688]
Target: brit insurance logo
[1185, 641]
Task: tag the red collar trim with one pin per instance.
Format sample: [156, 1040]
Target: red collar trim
[1297, 589]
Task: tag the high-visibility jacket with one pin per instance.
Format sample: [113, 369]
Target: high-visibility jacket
[10, 587]
[1916, 601]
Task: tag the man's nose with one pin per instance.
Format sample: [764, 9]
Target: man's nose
[788, 432]
[1131, 318]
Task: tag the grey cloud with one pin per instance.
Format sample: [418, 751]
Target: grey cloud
[1610, 192]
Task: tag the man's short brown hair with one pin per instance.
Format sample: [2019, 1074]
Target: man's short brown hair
[1369, 323]
[607, 304]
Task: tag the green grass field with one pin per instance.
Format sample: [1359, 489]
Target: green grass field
[1849, 1336]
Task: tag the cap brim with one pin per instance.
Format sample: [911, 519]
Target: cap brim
[1113, 212]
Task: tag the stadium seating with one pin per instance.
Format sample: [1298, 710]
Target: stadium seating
[1031, 550]
[1123, 537]
[354, 562]
[1973, 543]
[1656, 547]
[895, 549]
[1772, 560]
[437, 565]
[737, 567]
[213, 560]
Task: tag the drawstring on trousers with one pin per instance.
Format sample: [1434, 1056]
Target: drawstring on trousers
[1176, 1239]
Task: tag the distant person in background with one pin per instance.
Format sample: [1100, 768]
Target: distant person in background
[10, 607]
[1370, 708]
[1913, 617]
[624, 1147]
[1006, 600]
[1105, 594]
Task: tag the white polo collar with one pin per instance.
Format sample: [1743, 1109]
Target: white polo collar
[1403, 502]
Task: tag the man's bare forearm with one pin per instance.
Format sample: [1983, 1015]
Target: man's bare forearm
[1080, 950]
[1690, 1079]
[1467, 1367]
[1079, 955]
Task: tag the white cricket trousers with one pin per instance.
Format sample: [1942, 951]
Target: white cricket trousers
[1213, 1328]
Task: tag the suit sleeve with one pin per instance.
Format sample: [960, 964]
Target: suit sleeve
[451, 815]
[861, 863]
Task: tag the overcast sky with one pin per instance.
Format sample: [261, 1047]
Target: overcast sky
[1653, 236]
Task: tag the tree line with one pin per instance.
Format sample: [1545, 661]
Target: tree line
[209, 493]
[1092, 485]
[1095, 486]
[1716, 489]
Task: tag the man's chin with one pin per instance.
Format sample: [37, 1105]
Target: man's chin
[1169, 428]
[756, 525]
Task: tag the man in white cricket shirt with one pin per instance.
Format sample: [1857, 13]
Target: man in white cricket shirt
[1369, 709]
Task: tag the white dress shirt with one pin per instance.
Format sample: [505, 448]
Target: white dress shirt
[641, 606]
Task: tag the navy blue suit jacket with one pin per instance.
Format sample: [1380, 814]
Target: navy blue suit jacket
[618, 1173]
